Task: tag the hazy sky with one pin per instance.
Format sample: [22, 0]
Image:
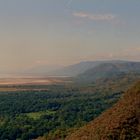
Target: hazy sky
[38, 32]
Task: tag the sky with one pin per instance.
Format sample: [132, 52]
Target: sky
[63, 32]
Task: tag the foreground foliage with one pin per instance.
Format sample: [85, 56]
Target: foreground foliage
[52, 112]
[121, 122]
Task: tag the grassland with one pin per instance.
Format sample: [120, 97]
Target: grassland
[37, 115]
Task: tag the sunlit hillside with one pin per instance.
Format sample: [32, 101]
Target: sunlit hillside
[121, 122]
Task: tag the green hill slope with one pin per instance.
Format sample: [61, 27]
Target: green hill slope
[121, 122]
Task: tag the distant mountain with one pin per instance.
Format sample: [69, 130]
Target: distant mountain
[121, 122]
[79, 68]
[71, 70]
[75, 69]
[109, 70]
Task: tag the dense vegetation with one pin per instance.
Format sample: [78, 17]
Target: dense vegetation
[121, 122]
[50, 110]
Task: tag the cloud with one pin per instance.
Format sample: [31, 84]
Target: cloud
[95, 17]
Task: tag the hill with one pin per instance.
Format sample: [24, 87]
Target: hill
[109, 70]
[121, 122]
[86, 66]
[70, 70]
[75, 69]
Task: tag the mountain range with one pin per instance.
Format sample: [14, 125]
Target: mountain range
[109, 70]
[83, 68]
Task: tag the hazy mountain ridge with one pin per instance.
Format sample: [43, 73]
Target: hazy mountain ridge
[72, 70]
[121, 122]
[82, 67]
[109, 70]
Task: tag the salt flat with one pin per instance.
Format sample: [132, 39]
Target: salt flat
[33, 81]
